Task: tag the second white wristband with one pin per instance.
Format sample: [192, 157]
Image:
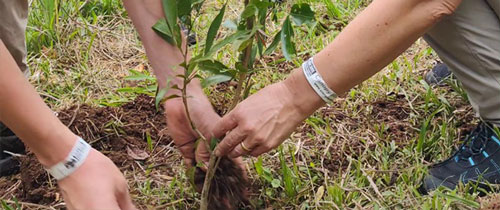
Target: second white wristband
[75, 159]
[317, 82]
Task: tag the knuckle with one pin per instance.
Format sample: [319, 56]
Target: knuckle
[442, 8]
[247, 128]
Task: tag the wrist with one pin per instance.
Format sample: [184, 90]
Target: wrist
[303, 96]
[57, 147]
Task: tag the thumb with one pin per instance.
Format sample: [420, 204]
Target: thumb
[202, 155]
[225, 124]
[124, 200]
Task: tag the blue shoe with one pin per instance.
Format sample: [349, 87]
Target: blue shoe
[477, 160]
[438, 74]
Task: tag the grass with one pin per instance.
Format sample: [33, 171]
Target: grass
[368, 150]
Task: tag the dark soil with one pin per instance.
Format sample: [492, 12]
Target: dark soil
[229, 187]
[121, 134]
[115, 131]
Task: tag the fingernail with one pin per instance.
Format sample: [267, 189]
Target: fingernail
[217, 153]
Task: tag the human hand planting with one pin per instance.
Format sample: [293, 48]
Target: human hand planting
[96, 184]
[203, 116]
[264, 120]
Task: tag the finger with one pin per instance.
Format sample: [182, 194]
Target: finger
[225, 124]
[202, 155]
[239, 151]
[259, 151]
[124, 200]
[232, 139]
[241, 164]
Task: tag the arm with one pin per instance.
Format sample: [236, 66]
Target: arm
[373, 39]
[24, 112]
[165, 59]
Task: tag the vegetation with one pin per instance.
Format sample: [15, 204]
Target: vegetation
[367, 150]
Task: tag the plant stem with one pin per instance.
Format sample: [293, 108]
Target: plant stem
[214, 160]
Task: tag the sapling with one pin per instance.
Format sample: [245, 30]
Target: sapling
[248, 37]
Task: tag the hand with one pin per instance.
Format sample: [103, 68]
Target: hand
[204, 118]
[264, 120]
[96, 184]
[180, 130]
[261, 122]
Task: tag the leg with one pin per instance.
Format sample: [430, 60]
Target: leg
[469, 43]
[14, 17]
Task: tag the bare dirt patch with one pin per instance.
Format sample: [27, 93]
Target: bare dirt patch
[120, 133]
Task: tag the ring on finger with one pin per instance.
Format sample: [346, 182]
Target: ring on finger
[245, 147]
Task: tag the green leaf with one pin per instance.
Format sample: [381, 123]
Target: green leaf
[288, 179]
[170, 10]
[161, 28]
[184, 7]
[302, 14]
[160, 95]
[138, 76]
[184, 11]
[276, 183]
[287, 45]
[258, 167]
[229, 39]
[274, 44]
[214, 28]
[215, 79]
[215, 67]
[213, 143]
[249, 11]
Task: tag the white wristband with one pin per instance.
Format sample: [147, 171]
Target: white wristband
[74, 160]
[317, 82]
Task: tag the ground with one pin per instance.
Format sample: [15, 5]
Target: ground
[368, 150]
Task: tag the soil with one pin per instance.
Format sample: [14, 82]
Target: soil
[118, 132]
[229, 186]
[121, 134]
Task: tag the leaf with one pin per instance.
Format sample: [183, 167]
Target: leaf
[302, 14]
[319, 194]
[288, 180]
[214, 27]
[160, 95]
[276, 183]
[287, 45]
[184, 8]
[184, 11]
[274, 44]
[170, 10]
[249, 11]
[136, 153]
[161, 28]
[213, 143]
[229, 39]
[215, 79]
[214, 67]
[258, 167]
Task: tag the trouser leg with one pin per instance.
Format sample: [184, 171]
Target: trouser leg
[13, 21]
[469, 43]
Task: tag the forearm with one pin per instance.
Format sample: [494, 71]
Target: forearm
[164, 57]
[24, 112]
[371, 41]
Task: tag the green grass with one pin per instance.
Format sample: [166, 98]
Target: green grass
[351, 154]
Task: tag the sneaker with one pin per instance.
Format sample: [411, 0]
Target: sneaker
[190, 36]
[477, 161]
[9, 142]
[437, 74]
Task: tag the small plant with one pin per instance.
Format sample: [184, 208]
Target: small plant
[248, 37]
